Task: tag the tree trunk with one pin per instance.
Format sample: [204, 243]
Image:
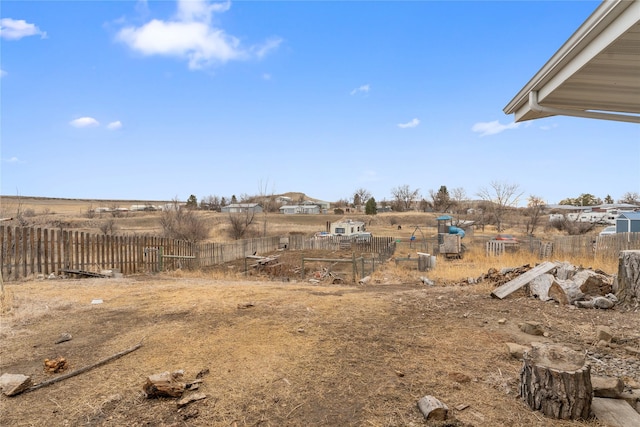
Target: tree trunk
[557, 381]
[628, 292]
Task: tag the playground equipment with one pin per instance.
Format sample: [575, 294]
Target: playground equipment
[450, 238]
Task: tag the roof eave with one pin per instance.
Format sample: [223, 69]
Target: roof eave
[603, 25]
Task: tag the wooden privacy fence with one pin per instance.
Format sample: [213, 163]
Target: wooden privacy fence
[602, 246]
[27, 251]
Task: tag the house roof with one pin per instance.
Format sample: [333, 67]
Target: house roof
[242, 205]
[595, 74]
[630, 215]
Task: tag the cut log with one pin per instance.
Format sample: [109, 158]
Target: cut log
[165, 384]
[522, 280]
[539, 286]
[628, 292]
[556, 381]
[433, 409]
[585, 283]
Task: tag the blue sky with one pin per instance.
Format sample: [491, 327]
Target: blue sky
[152, 100]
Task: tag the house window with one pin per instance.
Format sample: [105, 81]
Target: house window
[340, 230]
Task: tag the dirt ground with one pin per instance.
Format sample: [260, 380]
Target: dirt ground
[282, 353]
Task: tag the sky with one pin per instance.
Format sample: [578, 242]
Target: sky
[160, 100]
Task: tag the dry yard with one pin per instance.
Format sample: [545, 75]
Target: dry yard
[274, 353]
[287, 353]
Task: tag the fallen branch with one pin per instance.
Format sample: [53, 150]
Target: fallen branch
[83, 370]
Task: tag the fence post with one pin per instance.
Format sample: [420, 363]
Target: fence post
[355, 267]
[302, 272]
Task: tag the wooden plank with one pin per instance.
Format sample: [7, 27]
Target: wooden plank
[523, 279]
[615, 412]
[84, 273]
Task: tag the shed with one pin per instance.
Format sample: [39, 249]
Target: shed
[628, 222]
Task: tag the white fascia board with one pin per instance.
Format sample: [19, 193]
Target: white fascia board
[610, 20]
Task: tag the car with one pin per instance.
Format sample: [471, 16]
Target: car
[506, 238]
[608, 231]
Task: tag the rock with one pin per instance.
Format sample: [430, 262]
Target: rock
[633, 398]
[606, 386]
[427, 281]
[615, 412]
[516, 350]
[631, 350]
[12, 384]
[64, 337]
[532, 328]
[502, 321]
[603, 333]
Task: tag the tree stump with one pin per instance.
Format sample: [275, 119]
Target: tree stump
[628, 292]
[556, 381]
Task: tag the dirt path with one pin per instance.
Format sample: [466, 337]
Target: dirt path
[281, 354]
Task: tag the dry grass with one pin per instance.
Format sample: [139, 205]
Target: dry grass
[301, 355]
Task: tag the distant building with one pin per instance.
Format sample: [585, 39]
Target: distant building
[300, 209]
[242, 208]
[628, 222]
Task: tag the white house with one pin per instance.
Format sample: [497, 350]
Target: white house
[300, 209]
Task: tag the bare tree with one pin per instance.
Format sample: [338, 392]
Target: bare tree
[460, 199]
[109, 227]
[631, 197]
[267, 202]
[183, 224]
[502, 195]
[535, 208]
[404, 196]
[240, 222]
[360, 197]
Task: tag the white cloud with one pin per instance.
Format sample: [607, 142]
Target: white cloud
[2, 73]
[492, 128]
[363, 88]
[413, 123]
[115, 125]
[191, 36]
[12, 160]
[266, 76]
[84, 122]
[15, 29]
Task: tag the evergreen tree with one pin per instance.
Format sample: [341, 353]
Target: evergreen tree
[192, 202]
[370, 208]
